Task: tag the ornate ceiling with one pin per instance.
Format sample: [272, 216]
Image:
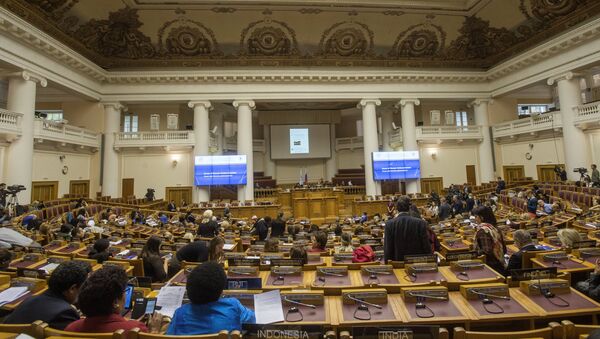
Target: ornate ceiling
[135, 34]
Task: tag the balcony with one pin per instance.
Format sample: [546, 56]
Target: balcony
[154, 139]
[529, 127]
[10, 124]
[64, 134]
[230, 144]
[352, 143]
[441, 134]
[587, 116]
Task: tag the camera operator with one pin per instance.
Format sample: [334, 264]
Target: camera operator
[561, 173]
[3, 194]
[595, 176]
[150, 194]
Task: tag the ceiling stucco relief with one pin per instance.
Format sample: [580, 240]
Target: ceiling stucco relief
[144, 36]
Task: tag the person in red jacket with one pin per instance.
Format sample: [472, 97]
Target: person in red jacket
[101, 300]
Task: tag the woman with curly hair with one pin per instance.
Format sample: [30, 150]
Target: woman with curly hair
[101, 299]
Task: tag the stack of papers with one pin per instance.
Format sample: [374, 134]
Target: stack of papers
[267, 307]
[228, 247]
[114, 243]
[11, 294]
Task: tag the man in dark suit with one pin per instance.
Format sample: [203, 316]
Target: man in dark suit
[261, 228]
[524, 243]
[171, 206]
[445, 211]
[405, 235]
[500, 186]
[54, 306]
[278, 226]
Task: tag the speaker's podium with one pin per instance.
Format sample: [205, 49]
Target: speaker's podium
[318, 208]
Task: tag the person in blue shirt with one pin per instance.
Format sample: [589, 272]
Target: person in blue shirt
[207, 312]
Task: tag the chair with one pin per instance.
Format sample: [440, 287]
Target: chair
[29, 329]
[577, 331]
[50, 332]
[554, 330]
[136, 334]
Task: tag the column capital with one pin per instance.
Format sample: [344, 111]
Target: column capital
[369, 101]
[480, 101]
[413, 101]
[246, 102]
[205, 103]
[563, 76]
[30, 76]
[117, 106]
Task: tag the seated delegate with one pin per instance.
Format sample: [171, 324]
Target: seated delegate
[207, 312]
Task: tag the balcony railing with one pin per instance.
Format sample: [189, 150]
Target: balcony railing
[158, 138]
[538, 123]
[588, 115]
[10, 122]
[352, 143]
[63, 133]
[455, 133]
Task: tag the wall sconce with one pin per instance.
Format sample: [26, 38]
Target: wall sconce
[433, 155]
[174, 163]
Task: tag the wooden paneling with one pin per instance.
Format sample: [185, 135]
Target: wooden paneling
[512, 173]
[44, 190]
[390, 187]
[127, 187]
[79, 187]
[546, 172]
[178, 194]
[429, 185]
[471, 176]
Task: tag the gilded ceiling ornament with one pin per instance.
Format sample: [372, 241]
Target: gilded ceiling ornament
[424, 40]
[119, 36]
[268, 38]
[477, 40]
[347, 39]
[547, 10]
[187, 38]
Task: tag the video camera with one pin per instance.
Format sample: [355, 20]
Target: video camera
[14, 189]
[580, 170]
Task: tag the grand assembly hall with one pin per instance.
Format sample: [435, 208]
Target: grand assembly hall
[299, 169]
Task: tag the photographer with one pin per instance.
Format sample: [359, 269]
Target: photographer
[595, 176]
[561, 173]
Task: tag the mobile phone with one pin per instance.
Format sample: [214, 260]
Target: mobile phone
[150, 305]
[138, 308]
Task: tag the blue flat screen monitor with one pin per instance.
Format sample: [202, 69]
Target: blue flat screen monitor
[396, 165]
[220, 170]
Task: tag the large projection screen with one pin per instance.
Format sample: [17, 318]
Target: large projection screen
[300, 142]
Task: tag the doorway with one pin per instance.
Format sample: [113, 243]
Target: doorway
[471, 176]
[435, 184]
[390, 187]
[178, 194]
[546, 172]
[127, 188]
[512, 173]
[44, 190]
[79, 188]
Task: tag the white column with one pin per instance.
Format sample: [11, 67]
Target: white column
[219, 121]
[244, 145]
[387, 118]
[331, 163]
[486, 162]
[577, 151]
[110, 167]
[269, 163]
[19, 155]
[370, 142]
[409, 135]
[201, 142]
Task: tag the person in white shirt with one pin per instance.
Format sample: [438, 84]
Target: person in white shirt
[10, 237]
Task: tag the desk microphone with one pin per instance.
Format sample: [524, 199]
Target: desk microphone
[285, 298]
[549, 295]
[234, 271]
[363, 306]
[376, 272]
[332, 273]
[420, 305]
[486, 299]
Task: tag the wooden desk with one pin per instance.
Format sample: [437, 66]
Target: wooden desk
[390, 314]
[570, 265]
[481, 276]
[446, 312]
[515, 309]
[318, 209]
[579, 304]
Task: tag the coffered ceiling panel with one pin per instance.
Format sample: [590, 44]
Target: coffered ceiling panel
[158, 34]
